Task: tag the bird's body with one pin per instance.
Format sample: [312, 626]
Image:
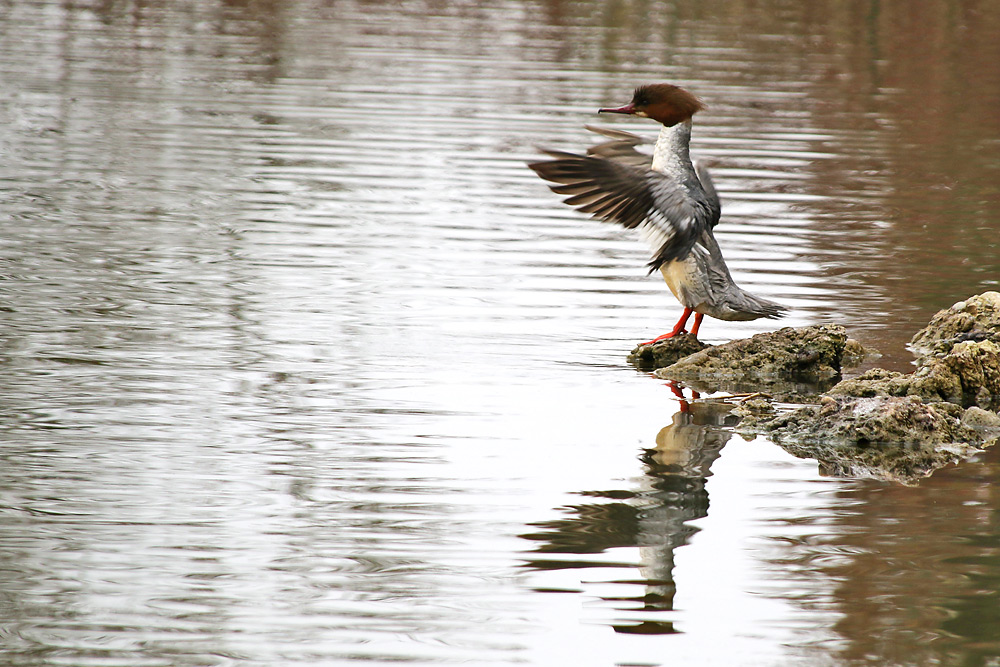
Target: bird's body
[670, 200]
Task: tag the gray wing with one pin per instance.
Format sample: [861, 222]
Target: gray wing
[622, 147]
[635, 197]
[711, 196]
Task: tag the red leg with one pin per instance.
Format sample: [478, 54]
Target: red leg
[679, 393]
[697, 324]
[674, 388]
[678, 328]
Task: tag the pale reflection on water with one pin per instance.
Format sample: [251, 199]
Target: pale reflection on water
[301, 365]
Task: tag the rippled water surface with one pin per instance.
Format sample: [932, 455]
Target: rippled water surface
[300, 365]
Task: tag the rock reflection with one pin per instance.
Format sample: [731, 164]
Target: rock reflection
[656, 518]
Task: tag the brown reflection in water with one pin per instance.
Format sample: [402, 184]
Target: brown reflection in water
[917, 570]
[915, 91]
[656, 519]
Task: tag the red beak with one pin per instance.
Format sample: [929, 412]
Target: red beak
[627, 109]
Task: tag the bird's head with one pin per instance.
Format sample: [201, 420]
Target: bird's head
[662, 102]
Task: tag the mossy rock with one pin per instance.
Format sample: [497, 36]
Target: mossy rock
[901, 427]
[966, 373]
[975, 319]
[806, 355]
[665, 352]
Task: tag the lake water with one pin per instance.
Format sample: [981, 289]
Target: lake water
[301, 365]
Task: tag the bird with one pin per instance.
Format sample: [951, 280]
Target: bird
[671, 201]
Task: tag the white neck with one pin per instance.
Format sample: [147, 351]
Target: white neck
[672, 153]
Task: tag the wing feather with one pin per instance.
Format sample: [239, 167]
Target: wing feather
[711, 195]
[622, 147]
[633, 196]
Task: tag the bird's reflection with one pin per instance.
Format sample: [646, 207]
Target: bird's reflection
[655, 517]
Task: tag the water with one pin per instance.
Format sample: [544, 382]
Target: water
[302, 366]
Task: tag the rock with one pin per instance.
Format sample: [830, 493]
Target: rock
[755, 408]
[975, 319]
[982, 420]
[966, 373]
[904, 426]
[665, 352]
[876, 382]
[852, 421]
[856, 354]
[809, 356]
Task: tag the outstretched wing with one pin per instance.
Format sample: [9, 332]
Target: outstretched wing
[636, 197]
[622, 147]
[626, 148]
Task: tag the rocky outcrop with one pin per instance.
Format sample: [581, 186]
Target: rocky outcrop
[804, 354]
[975, 319]
[792, 363]
[800, 361]
[903, 426]
[958, 359]
[880, 424]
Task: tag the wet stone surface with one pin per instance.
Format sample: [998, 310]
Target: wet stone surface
[793, 362]
[665, 352]
[975, 319]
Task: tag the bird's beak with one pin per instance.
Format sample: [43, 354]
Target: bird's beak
[627, 109]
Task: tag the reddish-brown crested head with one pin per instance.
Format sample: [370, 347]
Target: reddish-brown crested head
[663, 102]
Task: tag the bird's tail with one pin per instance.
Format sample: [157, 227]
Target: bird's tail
[762, 307]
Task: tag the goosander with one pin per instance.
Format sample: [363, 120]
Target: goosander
[672, 202]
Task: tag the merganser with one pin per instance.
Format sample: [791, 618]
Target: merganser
[672, 202]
